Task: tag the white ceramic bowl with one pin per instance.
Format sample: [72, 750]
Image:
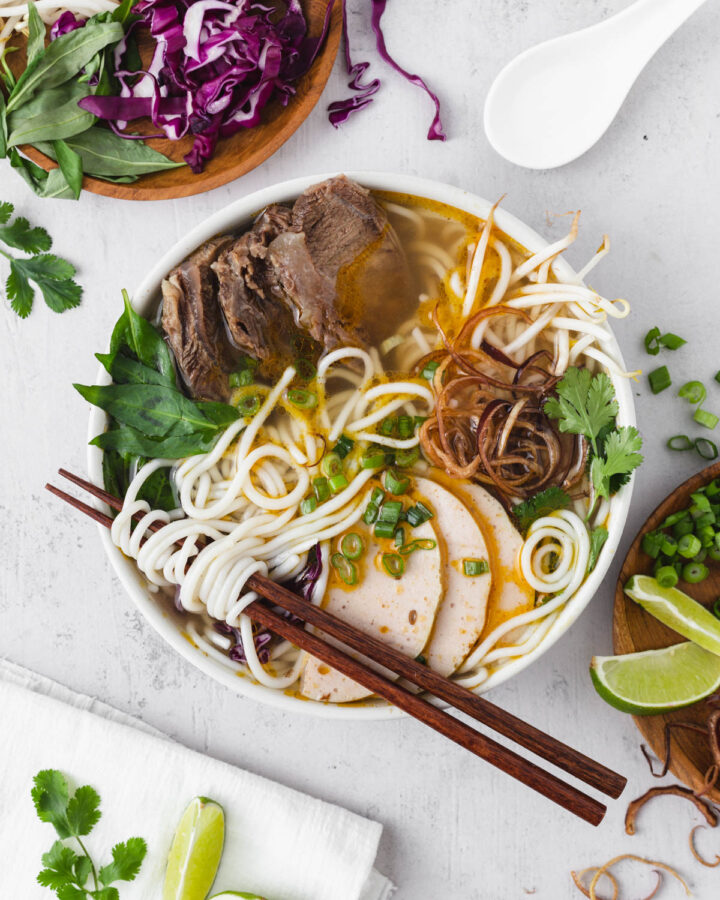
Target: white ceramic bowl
[146, 297]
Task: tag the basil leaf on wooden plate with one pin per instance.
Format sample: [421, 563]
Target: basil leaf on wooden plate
[70, 165]
[62, 59]
[44, 184]
[36, 34]
[58, 116]
[106, 154]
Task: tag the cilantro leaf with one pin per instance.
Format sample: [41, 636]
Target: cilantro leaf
[20, 235]
[106, 893]
[127, 859]
[70, 892]
[59, 864]
[83, 868]
[6, 210]
[539, 505]
[621, 456]
[50, 796]
[53, 276]
[585, 403]
[598, 536]
[82, 811]
[19, 292]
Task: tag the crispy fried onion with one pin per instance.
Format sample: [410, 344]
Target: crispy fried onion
[489, 422]
[676, 790]
[604, 871]
[698, 857]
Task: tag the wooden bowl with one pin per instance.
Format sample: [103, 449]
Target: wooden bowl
[634, 629]
[235, 155]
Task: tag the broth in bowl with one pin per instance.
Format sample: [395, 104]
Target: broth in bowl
[373, 398]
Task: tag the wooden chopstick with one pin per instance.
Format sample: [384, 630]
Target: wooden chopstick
[503, 758]
[526, 735]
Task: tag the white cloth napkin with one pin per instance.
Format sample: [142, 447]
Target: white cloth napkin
[279, 843]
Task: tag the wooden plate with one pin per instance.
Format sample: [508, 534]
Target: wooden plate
[634, 629]
[235, 155]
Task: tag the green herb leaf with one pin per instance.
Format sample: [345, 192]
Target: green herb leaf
[6, 210]
[83, 868]
[621, 457]
[82, 810]
[59, 869]
[62, 59]
[19, 291]
[540, 505]
[123, 12]
[58, 116]
[125, 370]
[3, 127]
[70, 165]
[53, 275]
[585, 403]
[44, 184]
[69, 892]
[131, 441]
[50, 796]
[144, 342]
[36, 33]
[106, 893]
[598, 536]
[127, 859]
[20, 235]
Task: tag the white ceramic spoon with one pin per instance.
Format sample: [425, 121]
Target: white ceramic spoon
[555, 100]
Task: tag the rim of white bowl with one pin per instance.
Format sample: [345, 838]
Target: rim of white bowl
[233, 216]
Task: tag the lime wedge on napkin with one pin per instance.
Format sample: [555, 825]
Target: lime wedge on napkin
[196, 850]
[676, 610]
[656, 681]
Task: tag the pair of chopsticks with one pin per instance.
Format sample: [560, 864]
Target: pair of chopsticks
[478, 708]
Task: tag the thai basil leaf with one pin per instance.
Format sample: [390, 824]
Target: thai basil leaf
[45, 184]
[220, 414]
[123, 12]
[125, 370]
[36, 33]
[143, 341]
[107, 155]
[128, 440]
[62, 59]
[158, 491]
[70, 165]
[116, 472]
[61, 117]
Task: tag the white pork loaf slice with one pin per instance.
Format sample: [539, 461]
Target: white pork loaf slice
[399, 611]
[510, 594]
[461, 616]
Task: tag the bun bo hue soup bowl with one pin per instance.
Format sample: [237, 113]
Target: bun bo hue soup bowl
[173, 627]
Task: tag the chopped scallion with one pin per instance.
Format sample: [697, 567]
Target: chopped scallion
[331, 464]
[672, 341]
[689, 545]
[345, 568]
[429, 369]
[473, 567]
[693, 392]
[387, 426]
[302, 399]
[405, 426]
[706, 448]
[337, 483]
[395, 483]
[305, 369]
[694, 572]
[371, 513]
[418, 514]
[373, 458]
[384, 529]
[390, 511]
[407, 458]
[393, 564]
[241, 379]
[399, 538]
[351, 546]
[659, 379]
[308, 505]
[680, 442]
[321, 488]
[343, 446]
[705, 418]
[652, 341]
[417, 544]
[377, 496]
[249, 404]
[667, 576]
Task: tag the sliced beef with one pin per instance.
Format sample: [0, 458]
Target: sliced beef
[341, 267]
[259, 323]
[193, 323]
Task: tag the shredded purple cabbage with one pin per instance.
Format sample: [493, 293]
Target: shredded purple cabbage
[216, 66]
[65, 23]
[341, 110]
[304, 585]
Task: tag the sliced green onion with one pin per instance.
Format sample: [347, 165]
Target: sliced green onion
[685, 527]
[693, 392]
[343, 446]
[659, 379]
[701, 556]
[652, 341]
[331, 464]
[652, 543]
[705, 418]
[337, 483]
[399, 537]
[384, 529]
[417, 544]
[716, 608]
[714, 553]
[395, 483]
[390, 511]
[429, 370]
[712, 489]
[705, 519]
[393, 564]
[472, 567]
[673, 519]
[706, 535]
[308, 505]
[351, 546]
[321, 488]
[680, 442]
[302, 399]
[377, 496]
[669, 545]
[407, 458]
[694, 572]
[305, 369]
[418, 514]
[706, 448]
[689, 545]
[406, 426]
[373, 458]
[249, 404]
[387, 426]
[371, 513]
[667, 576]
[420, 420]
[672, 341]
[345, 568]
[241, 379]
[700, 502]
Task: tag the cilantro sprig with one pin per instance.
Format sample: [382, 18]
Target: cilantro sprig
[586, 405]
[541, 504]
[51, 274]
[66, 871]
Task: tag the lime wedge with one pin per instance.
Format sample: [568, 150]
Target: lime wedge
[656, 681]
[676, 610]
[196, 850]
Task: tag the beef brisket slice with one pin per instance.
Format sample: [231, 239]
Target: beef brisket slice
[341, 266]
[193, 324]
